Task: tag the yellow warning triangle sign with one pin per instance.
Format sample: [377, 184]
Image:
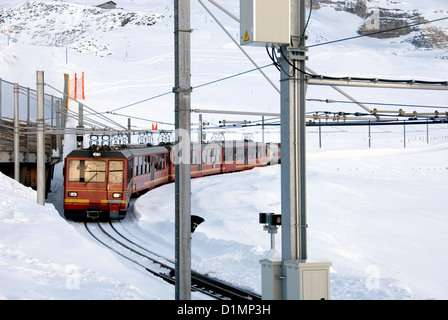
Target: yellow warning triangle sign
[246, 37]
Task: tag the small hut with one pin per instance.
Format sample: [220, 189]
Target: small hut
[108, 5]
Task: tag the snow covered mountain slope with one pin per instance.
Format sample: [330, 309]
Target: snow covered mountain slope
[138, 61]
[60, 24]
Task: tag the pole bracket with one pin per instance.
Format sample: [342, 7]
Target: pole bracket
[182, 89]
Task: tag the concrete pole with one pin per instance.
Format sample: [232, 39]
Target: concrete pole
[59, 128]
[182, 91]
[80, 136]
[40, 139]
[16, 134]
[293, 171]
[129, 130]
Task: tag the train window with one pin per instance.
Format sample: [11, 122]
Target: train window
[130, 166]
[207, 156]
[228, 154]
[116, 171]
[159, 161]
[140, 165]
[148, 164]
[217, 156]
[87, 171]
[239, 154]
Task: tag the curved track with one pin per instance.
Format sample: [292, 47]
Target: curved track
[160, 266]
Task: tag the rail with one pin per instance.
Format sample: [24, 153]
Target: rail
[200, 283]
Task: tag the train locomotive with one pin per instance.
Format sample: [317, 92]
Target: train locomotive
[100, 181]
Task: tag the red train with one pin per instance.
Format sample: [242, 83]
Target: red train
[99, 182]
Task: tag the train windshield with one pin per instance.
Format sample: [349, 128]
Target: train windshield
[87, 171]
[116, 171]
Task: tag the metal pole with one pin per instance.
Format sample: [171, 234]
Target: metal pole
[129, 130]
[28, 106]
[262, 130]
[16, 134]
[40, 139]
[200, 131]
[59, 128]
[66, 93]
[293, 102]
[320, 134]
[80, 136]
[182, 153]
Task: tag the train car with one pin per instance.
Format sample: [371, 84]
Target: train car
[243, 155]
[99, 182]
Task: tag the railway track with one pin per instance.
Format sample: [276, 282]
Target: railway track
[160, 266]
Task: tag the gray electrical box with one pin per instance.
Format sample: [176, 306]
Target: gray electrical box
[307, 280]
[265, 22]
[298, 280]
[271, 286]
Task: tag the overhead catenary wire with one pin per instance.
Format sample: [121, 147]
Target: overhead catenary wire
[239, 46]
[378, 103]
[95, 113]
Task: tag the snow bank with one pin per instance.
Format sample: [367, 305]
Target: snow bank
[377, 215]
[44, 257]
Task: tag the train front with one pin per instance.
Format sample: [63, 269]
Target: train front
[95, 185]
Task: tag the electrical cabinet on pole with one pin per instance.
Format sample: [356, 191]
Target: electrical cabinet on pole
[182, 91]
[298, 278]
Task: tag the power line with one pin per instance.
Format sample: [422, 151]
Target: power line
[378, 103]
[232, 76]
[141, 101]
[195, 87]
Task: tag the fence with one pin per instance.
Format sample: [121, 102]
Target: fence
[27, 104]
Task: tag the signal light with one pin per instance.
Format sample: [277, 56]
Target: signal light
[271, 219]
[276, 219]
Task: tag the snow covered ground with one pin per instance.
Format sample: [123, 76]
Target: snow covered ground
[377, 214]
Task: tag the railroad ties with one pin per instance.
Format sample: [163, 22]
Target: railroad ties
[108, 235]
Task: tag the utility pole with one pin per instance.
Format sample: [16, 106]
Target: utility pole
[80, 136]
[182, 90]
[293, 142]
[293, 103]
[40, 139]
[16, 134]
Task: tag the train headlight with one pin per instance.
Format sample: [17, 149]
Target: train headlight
[116, 195]
[73, 194]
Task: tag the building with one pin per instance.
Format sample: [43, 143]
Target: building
[108, 5]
